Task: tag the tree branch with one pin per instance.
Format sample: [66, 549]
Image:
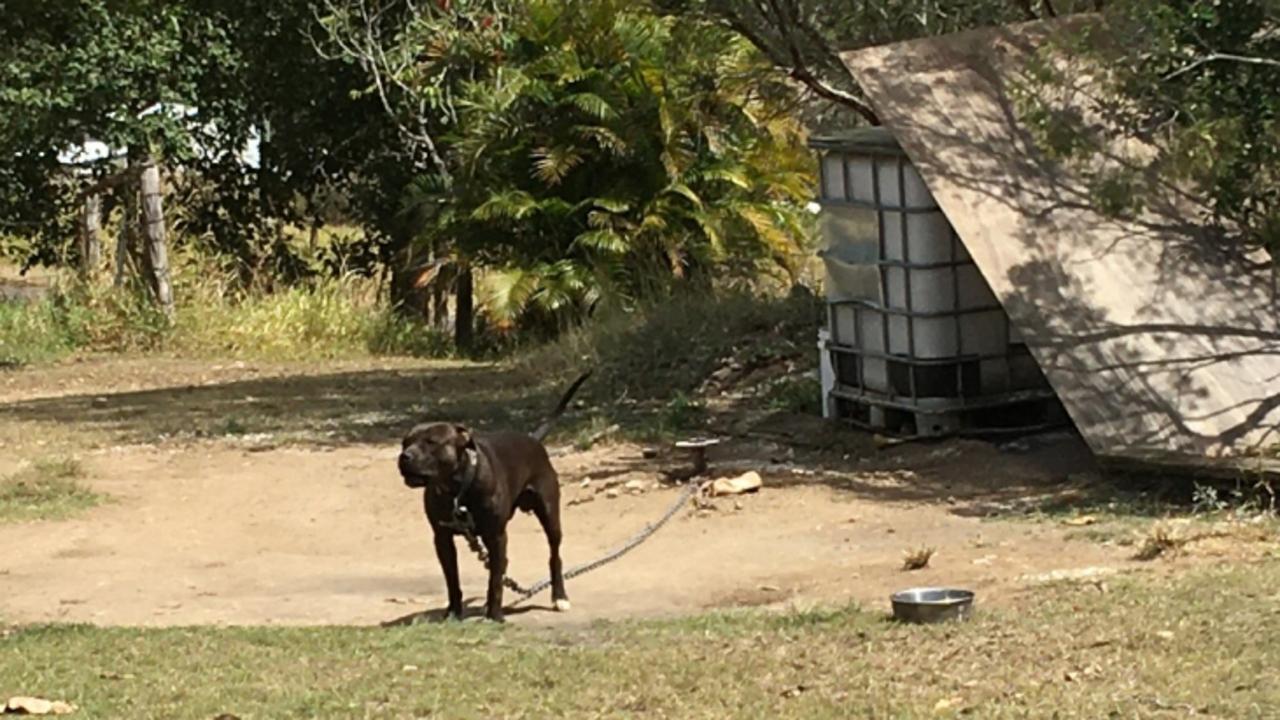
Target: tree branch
[365, 45]
[1221, 57]
[798, 68]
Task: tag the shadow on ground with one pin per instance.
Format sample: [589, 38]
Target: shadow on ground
[339, 408]
[1053, 473]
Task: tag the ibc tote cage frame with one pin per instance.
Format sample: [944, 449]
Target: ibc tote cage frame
[1031, 407]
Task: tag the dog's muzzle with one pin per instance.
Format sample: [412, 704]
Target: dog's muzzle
[412, 477]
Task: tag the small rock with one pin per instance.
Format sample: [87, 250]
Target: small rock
[1080, 521]
[100, 402]
[745, 483]
[947, 705]
[611, 493]
[37, 706]
[635, 486]
[1016, 446]
[793, 692]
[1164, 634]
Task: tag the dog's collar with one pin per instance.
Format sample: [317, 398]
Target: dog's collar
[468, 474]
[461, 515]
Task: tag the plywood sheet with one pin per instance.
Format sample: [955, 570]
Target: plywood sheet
[1161, 342]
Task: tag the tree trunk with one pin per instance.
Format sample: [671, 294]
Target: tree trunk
[407, 298]
[439, 307]
[463, 309]
[156, 255]
[90, 236]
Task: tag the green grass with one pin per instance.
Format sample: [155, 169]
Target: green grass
[32, 333]
[325, 320]
[1143, 648]
[48, 489]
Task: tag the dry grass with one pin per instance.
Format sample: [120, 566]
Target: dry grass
[321, 320]
[1167, 538]
[1143, 647]
[1160, 540]
[48, 489]
[917, 558]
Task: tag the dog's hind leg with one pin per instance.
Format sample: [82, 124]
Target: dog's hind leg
[447, 553]
[547, 508]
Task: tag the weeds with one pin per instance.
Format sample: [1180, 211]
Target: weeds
[1160, 540]
[800, 394]
[324, 320]
[663, 351]
[917, 559]
[48, 489]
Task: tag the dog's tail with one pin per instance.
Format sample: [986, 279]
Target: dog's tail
[546, 425]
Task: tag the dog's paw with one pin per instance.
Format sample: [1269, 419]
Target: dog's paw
[562, 605]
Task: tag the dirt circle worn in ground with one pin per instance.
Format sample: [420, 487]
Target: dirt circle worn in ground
[211, 533]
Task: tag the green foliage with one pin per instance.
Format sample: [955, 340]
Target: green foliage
[1197, 84]
[612, 151]
[30, 333]
[192, 84]
[103, 70]
[800, 394]
[329, 318]
[805, 37]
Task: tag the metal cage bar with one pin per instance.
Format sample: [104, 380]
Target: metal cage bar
[852, 357]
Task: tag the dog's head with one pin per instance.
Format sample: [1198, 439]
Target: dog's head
[432, 453]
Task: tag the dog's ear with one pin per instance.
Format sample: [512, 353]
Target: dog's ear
[463, 437]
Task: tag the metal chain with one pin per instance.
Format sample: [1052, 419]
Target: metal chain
[525, 593]
[480, 552]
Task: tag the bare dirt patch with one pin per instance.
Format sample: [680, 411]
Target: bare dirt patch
[300, 518]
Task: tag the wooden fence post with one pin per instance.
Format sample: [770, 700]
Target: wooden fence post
[156, 255]
[90, 235]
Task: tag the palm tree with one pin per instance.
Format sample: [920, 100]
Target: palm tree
[608, 152]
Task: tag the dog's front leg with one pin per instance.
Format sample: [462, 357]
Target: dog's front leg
[496, 544]
[448, 556]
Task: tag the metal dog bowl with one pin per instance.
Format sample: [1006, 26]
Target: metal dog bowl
[931, 605]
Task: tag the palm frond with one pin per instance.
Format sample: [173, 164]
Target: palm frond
[552, 164]
[603, 240]
[507, 205]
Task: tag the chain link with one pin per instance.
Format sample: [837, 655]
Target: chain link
[527, 592]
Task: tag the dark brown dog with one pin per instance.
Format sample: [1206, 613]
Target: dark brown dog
[476, 481]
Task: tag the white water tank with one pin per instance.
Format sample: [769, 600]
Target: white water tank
[915, 337]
